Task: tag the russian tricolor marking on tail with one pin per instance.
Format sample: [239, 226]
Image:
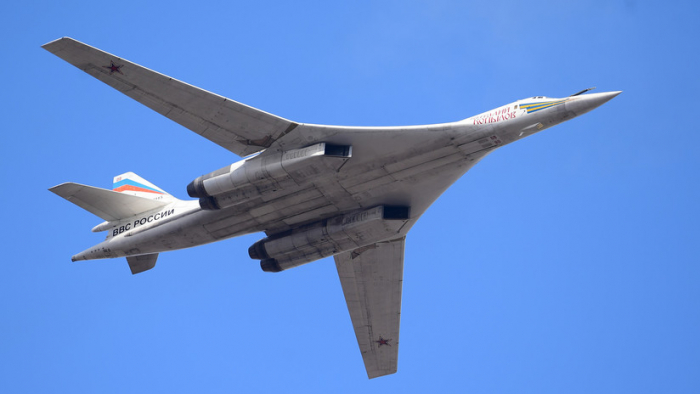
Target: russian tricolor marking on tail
[131, 185]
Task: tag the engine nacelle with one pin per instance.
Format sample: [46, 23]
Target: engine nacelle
[329, 237]
[266, 173]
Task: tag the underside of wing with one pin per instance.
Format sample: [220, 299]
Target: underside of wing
[237, 127]
[372, 278]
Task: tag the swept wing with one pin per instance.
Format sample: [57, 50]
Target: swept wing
[237, 127]
[372, 278]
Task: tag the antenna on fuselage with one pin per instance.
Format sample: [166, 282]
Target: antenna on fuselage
[581, 92]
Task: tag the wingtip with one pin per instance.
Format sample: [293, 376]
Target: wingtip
[53, 189]
[54, 43]
[379, 374]
[50, 43]
[59, 186]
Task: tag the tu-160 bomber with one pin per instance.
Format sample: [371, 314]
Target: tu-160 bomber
[314, 190]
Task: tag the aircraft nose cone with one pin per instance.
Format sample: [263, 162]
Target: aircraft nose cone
[585, 103]
[602, 98]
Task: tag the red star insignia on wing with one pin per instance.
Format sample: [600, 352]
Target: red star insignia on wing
[382, 342]
[114, 68]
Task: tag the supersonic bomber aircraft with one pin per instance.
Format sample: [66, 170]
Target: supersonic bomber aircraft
[314, 190]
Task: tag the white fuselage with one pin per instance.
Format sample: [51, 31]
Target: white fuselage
[403, 166]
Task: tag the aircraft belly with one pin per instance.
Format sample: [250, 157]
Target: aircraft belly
[414, 181]
[395, 183]
[171, 236]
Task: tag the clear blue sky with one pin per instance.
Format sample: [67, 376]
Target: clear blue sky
[566, 262]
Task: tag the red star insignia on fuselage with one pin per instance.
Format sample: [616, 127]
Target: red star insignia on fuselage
[113, 68]
[383, 341]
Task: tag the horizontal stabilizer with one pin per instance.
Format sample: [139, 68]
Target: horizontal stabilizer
[138, 264]
[107, 204]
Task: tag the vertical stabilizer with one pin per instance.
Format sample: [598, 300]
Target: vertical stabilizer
[130, 183]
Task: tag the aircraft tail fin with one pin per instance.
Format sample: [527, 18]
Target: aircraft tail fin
[130, 183]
